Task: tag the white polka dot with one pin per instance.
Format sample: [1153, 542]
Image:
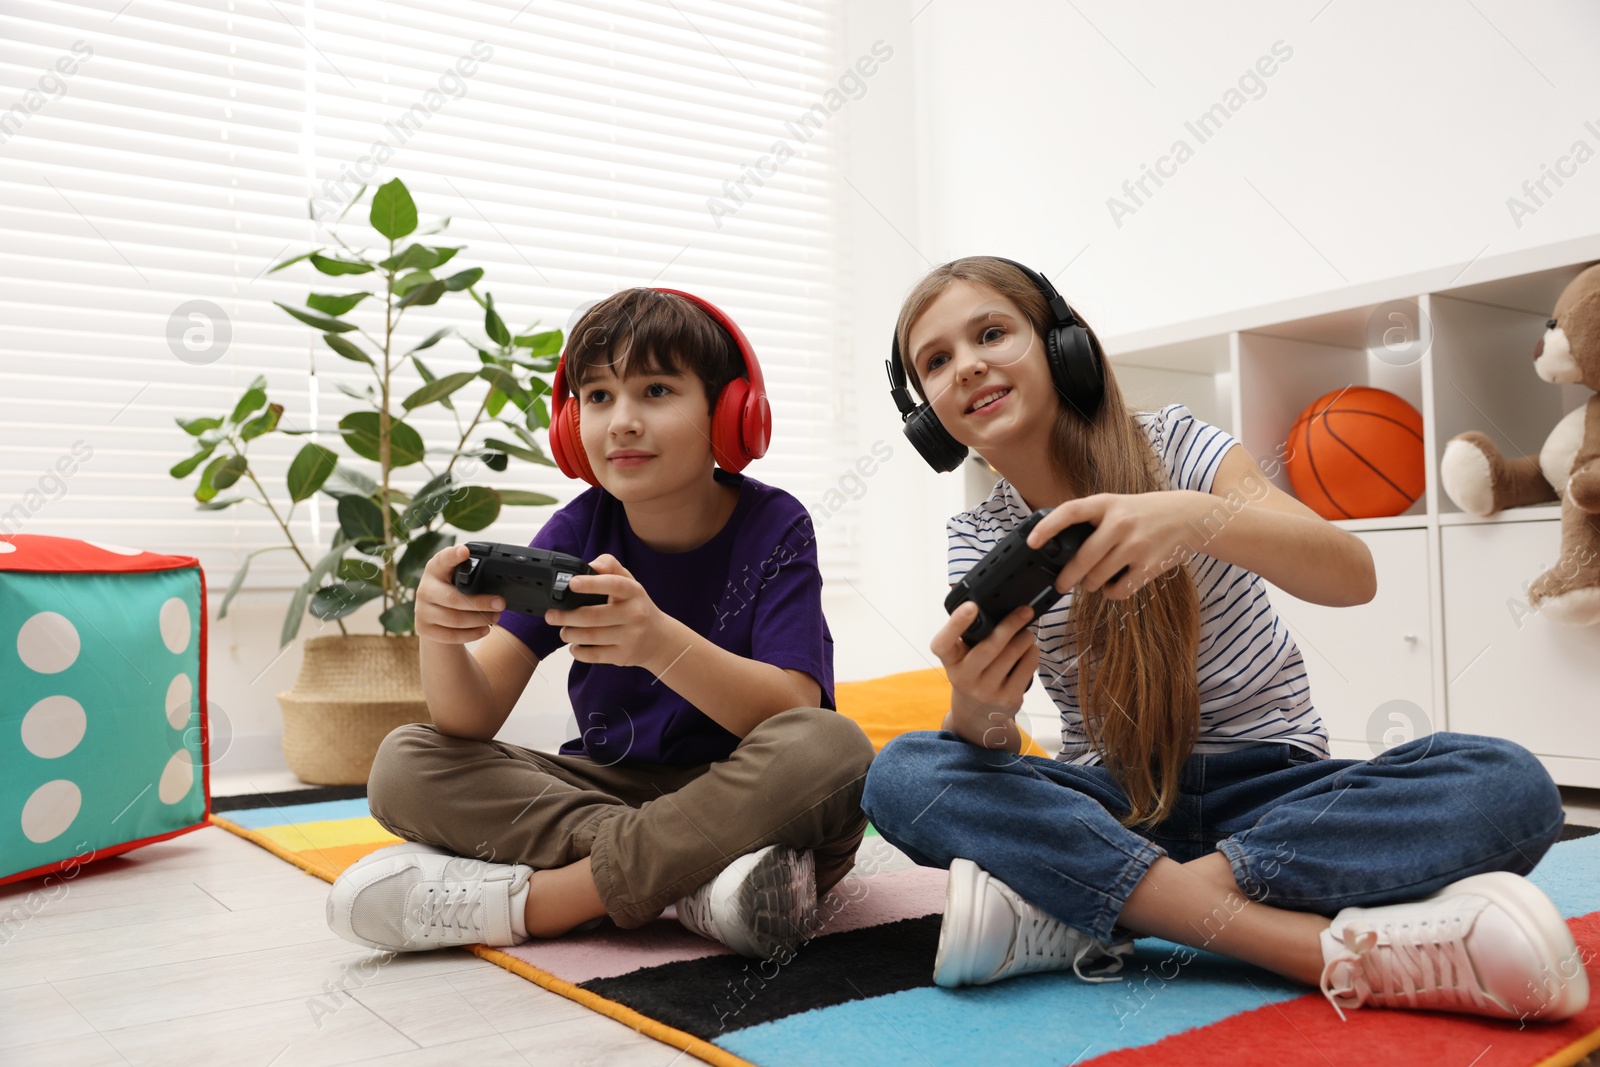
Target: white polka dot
[178, 778]
[53, 727]
[118, 549]
[50, 810]
[48, 643]
[7, 546]
[180, 701]
[175, 624]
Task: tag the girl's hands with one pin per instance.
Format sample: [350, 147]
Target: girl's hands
[625, 631]
[1148, 533]
[443, 612]
[988, 679]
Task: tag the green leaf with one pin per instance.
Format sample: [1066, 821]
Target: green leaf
[196, 427]
[444, 255]
[186, 467]
[357, 394]
[360, 570]
[438, 227]
[293, 617]
[219, 505]
[496, 401]
[232, 470]
[360, 429]
[339, 599]
[253, 398]
[433, 338]
[354, 480]
[205, 490]
[310, 468]
[457, 282]
[473, 509]
[504, 381]
[334, 303]
[412, 257]
[429, 501]
[332, 266]
[290, 263]
[517, 450]
[524, 499]
[348, 349]
[540, 412]
[422, 296]
[213, 437]
[540, 344]
[437, 390]
[410, 281]
[321, 322]
[422, 548]
[495, 461]
[265, 422]
[354, 200]
[360, 519]
[399, 618]
[394, 214]
[494, 325]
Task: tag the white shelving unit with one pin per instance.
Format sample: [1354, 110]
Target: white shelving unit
[1449, 641]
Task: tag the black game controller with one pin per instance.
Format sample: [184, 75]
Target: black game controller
[1012, 574]
[530, 580]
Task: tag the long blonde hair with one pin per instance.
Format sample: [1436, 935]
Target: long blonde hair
[1137, 658]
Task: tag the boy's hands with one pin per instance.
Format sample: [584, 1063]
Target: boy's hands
[446, 614]
[988, 679]
[1148, 533]
[626, 631]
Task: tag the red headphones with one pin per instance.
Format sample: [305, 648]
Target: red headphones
[741, 419]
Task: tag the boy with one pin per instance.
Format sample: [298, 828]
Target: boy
[711, 771]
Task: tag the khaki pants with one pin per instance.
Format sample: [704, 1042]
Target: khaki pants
[652, 832]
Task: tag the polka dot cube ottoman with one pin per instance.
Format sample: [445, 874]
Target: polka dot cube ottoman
[102, 696]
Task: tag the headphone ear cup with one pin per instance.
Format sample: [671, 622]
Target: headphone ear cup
[932, 441]
[566, 446]
[1075, 368]
[727, 426]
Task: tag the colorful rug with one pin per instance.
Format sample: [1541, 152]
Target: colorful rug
[862, 990]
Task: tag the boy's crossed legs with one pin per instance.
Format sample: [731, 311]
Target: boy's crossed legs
[571, 839]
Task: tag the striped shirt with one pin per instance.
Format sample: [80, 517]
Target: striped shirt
[1253, 685]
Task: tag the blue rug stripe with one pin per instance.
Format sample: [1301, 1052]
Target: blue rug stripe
[328, 810]
[1569, 874]
[1039, 1021]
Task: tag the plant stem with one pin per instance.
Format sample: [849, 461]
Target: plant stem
[389, 577]
[283, 526]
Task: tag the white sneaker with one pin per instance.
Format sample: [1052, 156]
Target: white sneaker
[762, 905]
[410, 897]
[990, 932]
[1491, 944]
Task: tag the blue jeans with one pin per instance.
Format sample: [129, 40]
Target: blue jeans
[1300, 833]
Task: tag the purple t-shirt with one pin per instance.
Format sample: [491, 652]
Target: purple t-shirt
[753, 589]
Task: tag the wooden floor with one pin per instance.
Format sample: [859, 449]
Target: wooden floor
[206, 950]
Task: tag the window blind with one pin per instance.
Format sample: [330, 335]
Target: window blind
[160, 154]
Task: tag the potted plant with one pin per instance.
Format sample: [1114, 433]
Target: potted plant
[354, 688]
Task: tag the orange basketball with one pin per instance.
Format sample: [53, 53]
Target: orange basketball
[1356, 453]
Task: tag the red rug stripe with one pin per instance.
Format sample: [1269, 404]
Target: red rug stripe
[1307, 1030]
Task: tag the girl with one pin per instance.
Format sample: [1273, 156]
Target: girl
[1194, 798]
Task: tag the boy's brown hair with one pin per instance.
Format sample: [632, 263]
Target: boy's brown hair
[646, 331]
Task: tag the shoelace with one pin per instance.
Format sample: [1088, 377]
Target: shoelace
[443, 910]
[1421, 964]
[1041, 943]
[694, 911]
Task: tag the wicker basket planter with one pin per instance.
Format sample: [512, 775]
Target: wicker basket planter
[351, 692]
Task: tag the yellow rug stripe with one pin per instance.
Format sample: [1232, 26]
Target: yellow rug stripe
[309, 835]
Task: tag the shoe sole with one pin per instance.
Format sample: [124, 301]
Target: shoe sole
[775, 904]
[1543, 924]
[952, 965]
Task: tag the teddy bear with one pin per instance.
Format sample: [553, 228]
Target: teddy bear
[1481, 481]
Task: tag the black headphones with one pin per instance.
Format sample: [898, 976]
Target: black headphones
[1076, 367]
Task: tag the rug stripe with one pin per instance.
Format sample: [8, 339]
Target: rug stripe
[288, 814]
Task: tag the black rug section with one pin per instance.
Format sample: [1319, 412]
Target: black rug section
[1572, 831]
[315, 795]
[716, 995]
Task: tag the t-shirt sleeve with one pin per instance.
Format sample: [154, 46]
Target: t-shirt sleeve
[559, 534]
[1192, 450]
[967, 541]
[787, 628]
